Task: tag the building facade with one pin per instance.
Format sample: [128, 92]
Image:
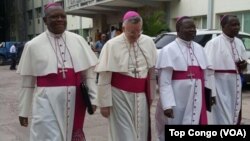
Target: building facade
[21, 20]
[199, 10]
[12, 20]
[35, 8]
[206, 13]
[108, 13]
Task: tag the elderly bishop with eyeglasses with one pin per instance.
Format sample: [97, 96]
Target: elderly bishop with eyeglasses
[126, 68]
[52, 66]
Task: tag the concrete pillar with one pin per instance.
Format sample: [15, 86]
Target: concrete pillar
[210, 14]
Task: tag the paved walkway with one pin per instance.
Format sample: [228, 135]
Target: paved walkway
[96, 127]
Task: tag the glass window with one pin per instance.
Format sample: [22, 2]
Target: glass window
[246, 40]
[247, 22]
[163, 40]
[38, 12]
[204, 22]
[30, 14]
[202, 39]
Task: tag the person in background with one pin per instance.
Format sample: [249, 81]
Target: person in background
[112, 32]
[90, 41]
[118, 32]
[228, 57]
[97, 35]
[13, 55]
[99, 44]
[52, 66]
[98, 47]
[126, 64]
[183, 70]
[19, 51]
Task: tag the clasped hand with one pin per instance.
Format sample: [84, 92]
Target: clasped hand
[169, 113]
[105, 111]
[23, 121]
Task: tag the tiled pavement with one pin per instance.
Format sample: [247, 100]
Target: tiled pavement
[96, 127]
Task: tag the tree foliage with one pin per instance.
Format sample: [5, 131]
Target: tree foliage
[154, 24]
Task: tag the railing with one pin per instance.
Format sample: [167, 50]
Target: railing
[80, 3]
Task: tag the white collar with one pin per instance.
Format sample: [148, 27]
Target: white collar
[54, 35]
[183, 42]
[228, 38]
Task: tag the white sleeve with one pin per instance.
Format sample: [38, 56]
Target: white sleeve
[26, 95]
[104, 92]
[90, 80]
[152, 74]
[165, 86]
[210, 81]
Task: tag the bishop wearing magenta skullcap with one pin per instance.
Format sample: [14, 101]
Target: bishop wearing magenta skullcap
[126, 82]
[51, 5]
[52, 66]
[183, 68]
[229, 59]
[130, 14]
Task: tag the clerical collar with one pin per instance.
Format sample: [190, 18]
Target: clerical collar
[228, 38]
[126, 39]
[54, 35]
[183, 42]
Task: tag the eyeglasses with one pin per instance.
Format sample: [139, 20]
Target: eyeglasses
[134, 32]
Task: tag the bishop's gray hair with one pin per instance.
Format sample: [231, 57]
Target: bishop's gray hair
[133, 20]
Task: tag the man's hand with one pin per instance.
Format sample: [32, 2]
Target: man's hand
[242, 65]
[169, 113]
[213, 101]
[23, 121]
[105, 111]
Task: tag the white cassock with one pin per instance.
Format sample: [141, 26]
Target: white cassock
[129, 111]
[184, 96]
[223, 52]
[53, 107]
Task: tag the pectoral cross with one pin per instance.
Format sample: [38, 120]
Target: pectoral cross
[190, 75]
[135, 72]
[63, 72]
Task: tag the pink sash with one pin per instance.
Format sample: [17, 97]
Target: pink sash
[136, 85]
[196, 73]
[72, 79]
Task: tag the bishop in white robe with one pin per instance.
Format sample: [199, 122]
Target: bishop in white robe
[129, 110]
[53, 107]
[183, 70]
[52, 66]
[228, 84]
[225, 52]
[124, 67]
